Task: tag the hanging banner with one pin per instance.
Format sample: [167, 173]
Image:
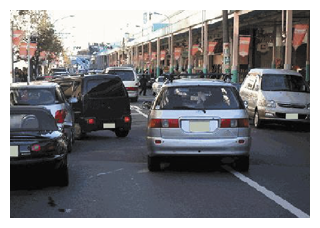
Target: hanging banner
[177, 53]
[140, 57]
[17, 36]
[153, 56]
[33, 48]
[146, 56]
[211, 47]
[162, 55]
[43, 55]
[244, 44]
[23, 50]
[299, 33]
[195, 49]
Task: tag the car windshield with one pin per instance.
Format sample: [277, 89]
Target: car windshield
[276, 82]
[125, 75]
[160, 79]
[31, 96]
[199, 98]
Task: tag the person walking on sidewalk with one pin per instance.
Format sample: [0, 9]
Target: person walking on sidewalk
[143, 83]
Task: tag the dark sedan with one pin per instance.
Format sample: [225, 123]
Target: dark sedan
[36, 142]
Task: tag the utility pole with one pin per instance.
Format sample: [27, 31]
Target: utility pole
[235, 53]
[12, 55]
[226, 45]
[288, 51]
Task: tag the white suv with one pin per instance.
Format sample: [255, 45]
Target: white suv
[129, 79]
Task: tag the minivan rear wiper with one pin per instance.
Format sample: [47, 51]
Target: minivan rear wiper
[188, 107]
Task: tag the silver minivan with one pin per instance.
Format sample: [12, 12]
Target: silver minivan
[198, 117]
[276, 95]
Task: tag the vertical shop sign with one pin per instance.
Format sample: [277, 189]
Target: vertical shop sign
[153, 56]
[195, 49]
[23, 50]
[244, 45]
[17, 35]
[146, 57]
[299, 33]
[33, 48]
[177, 53]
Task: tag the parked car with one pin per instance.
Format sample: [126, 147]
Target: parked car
[156, 86]
[129, 79]
[198, 117]
[100, 102]
[36, 141]
[59, 71]
[276, 95]
[50, 96]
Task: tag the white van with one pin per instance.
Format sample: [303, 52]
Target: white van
[129, 79]
[276, 95]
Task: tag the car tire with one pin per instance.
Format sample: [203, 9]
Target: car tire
[63, 176]
[78, 134]
[154, 164]
[242, 163]
[121, 133]
[256, 120]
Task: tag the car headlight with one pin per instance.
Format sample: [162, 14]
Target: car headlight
[271, 104]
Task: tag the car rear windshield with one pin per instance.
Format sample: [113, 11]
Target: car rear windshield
[34, 96]
[125, 75]
[199, 98]
[105, 88]
[276, 82]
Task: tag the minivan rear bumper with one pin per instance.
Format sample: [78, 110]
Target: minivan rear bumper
[226, 146]
[104, 124]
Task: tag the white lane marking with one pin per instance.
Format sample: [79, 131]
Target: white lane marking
[283, 203]
[137, 109]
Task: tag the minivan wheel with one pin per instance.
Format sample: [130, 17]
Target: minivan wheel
[121, 133]
[256, 120]
[242, 163]
[154, 164]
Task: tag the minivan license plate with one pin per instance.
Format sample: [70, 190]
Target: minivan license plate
[109, 125]
[14, 151]
[292, 116]
[199, 126]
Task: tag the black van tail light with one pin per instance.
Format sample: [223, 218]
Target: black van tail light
[232, 123]
[127, 119]
[35, 148]
[164, 123]
[60, 115]
[91, 121]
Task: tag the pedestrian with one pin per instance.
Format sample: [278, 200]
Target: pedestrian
[143, 83]
[25, 74]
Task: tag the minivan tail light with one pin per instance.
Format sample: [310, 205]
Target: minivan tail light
[164, 123]
[132, 88]
[60, 115]
[232, 123]
[36, 148]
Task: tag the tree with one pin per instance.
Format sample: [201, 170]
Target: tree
[38, 25]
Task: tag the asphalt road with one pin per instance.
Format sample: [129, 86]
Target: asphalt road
[109, 179]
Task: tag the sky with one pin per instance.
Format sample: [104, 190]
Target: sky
[96, 26]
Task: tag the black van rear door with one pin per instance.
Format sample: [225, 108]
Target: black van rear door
[105, 99]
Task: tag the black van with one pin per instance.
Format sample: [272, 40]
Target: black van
[100, 102]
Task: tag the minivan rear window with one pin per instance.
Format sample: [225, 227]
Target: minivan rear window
[125, 75]
[276, 82]
[33, 96]
[198, 98]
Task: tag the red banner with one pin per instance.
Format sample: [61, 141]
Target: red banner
[17, 36]
[244, 45]
[212, 46]
[177, 53]
[33, 48]
[162, 55]
[195, 49]
[23, 50]
[146, 57]
[43, 55]
[153, 56]
[299, 33]
[140, 57]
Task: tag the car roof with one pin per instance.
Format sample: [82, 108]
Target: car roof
[34, 84]
[120, 68]
[274, 71]
[197, 82]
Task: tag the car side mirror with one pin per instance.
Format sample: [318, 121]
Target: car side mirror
[246, 104]
[147, 105]
[73, 100]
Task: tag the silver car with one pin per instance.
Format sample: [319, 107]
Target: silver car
[198, 117]
[156, 86]
[50, 96]
[276, 95]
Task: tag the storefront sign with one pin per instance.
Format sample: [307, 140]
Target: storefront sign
[244, 45]
[23, 50]
[195, 49]
[211, 47]
[162, 55]
[299, 33]
[177, 53]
